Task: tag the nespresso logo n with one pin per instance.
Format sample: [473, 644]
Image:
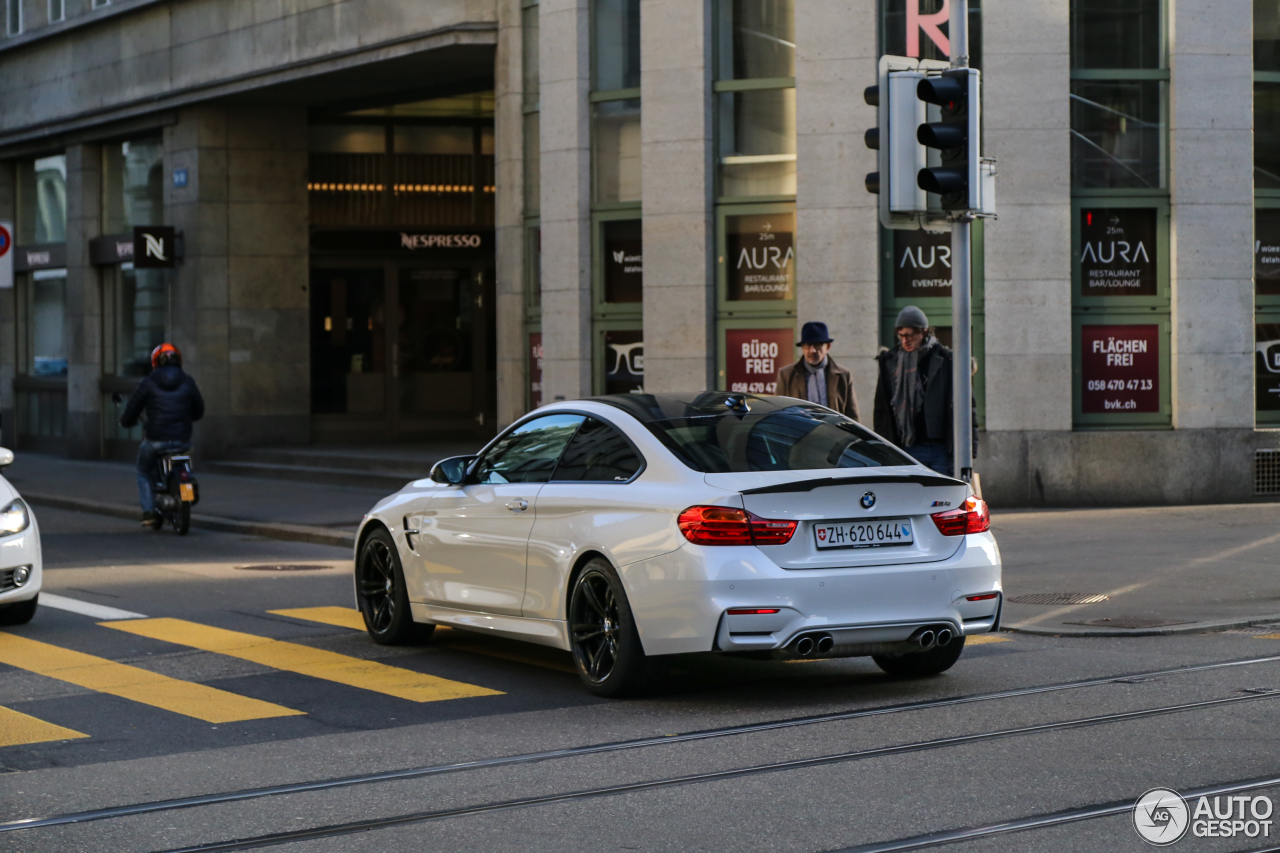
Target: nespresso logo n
[414, 242]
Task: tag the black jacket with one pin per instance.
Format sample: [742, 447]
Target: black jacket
[935, 368]
[172, 403]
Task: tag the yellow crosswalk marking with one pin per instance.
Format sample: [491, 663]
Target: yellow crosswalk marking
[980, 639]
[345, 617]
[131, 682]
[339, 617]
[304, 660]
[1267, 637]
[17, 728]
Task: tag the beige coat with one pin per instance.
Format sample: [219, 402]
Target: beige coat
[793, 381]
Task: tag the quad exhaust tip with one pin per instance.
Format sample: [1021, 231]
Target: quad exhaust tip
[826, 643]
[926, 638]
[805, 646]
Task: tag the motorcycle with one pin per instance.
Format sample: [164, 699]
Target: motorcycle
[175, 487]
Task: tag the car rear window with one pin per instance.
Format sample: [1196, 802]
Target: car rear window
[795, 438]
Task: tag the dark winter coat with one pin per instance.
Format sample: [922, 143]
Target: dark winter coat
[172, 403]
[935, 369]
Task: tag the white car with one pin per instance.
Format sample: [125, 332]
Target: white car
[632, 527]
[20, 559]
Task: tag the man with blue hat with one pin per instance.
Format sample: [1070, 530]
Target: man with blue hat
[816, 377]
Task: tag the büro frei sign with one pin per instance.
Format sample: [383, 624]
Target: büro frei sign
[1117, 246]
[753, 357]
[1120, 369]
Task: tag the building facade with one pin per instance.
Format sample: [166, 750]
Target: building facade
[398, 221]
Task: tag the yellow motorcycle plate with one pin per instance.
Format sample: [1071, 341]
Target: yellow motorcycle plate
[187, 491]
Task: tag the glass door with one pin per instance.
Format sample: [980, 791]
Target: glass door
[349, 347]
[434, 356]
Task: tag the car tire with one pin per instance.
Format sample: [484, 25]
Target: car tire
[20, 612]
[606, 645]
[382, 594]
[929, 662]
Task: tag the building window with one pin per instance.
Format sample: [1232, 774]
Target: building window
[42, 200]
[13, 17]
[1120, 215]
[616, 244]
[755, 145]
[1266, 238]
[1119, 95]
[132, 184]
[57, 11]
[98, 4]
[429, 163]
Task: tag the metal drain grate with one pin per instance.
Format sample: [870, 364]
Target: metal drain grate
[1266, 472]
[286, 567]
[1061, 598]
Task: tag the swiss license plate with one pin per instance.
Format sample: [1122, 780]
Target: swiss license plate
[187, 492]
[862, 534]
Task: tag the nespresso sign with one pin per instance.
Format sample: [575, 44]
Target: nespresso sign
[40, 257]
[147, 247]
[419, 242]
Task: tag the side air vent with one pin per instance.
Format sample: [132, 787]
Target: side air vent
[1266, 472]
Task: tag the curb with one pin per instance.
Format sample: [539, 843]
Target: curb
[268, 529]
[1193, 628]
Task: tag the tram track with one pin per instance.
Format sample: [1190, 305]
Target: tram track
[246, 794]
[359, 826]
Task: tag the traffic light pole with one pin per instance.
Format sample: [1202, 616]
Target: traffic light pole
[961, 289]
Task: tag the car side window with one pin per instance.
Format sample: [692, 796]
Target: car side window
[528, 453]
[598, 453]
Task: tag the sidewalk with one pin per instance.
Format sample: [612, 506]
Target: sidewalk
[280, 509]
[1163, 570]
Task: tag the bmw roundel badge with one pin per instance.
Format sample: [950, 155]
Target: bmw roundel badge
[868, 500]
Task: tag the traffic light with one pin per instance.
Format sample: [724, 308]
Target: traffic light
[954, 169]
[899, 113]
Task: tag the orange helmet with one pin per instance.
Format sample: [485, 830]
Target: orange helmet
[165, 355]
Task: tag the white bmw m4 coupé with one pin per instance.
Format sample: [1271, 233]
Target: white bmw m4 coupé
[634, 527]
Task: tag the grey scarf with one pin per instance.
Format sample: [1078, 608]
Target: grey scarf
[816, 388]
[907, 399]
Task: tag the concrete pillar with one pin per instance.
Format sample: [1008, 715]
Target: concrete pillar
[675, 157]
[1211, 118]
[508, 134]
[268, 259]
[240, 299]
[564, 66]
[837, 253]
[198, 143]
[1026, 54]
[82, 323]
[8, 317]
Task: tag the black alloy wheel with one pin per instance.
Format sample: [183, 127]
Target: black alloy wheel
[606, 645]
[380, 589]
[932, 661]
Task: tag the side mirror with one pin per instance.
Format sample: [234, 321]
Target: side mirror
[117, 397]
[6, 457]
[451, 471]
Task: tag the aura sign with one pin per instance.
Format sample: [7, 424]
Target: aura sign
[921, 264]
[1117, 251]
[761, 256]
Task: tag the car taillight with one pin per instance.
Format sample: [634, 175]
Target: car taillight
[972, 517]
[720, 525]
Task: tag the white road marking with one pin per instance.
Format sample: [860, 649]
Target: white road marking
[85, 608]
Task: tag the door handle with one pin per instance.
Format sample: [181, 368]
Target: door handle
[517, 505]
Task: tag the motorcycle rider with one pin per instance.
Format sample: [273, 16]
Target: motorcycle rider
[172, 403]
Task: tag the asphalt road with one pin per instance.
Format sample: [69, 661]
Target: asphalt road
[217, 691]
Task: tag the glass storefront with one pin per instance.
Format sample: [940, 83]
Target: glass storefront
[42, 200]
[132, 184]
